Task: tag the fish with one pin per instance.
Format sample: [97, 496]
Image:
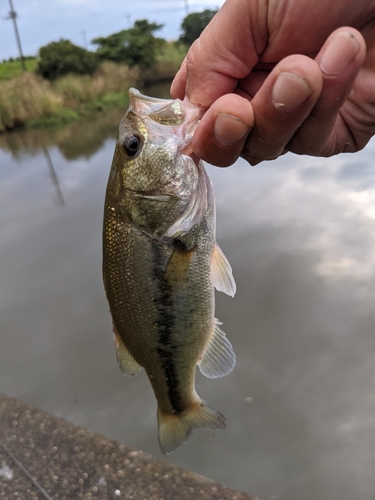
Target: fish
[161, 263]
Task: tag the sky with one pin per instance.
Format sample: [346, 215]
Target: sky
[43, 21]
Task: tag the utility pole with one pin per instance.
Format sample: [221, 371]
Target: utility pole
[186, 7]
[83, 33]
[13, 16]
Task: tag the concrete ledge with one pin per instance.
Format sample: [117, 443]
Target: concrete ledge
[70, 462]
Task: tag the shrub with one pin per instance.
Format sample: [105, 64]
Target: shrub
[77, 91]
[136, 46]
[18, 106]
[61, 58]
[168, 62]
[193, 25]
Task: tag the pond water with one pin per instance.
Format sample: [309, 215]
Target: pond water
[300, 235]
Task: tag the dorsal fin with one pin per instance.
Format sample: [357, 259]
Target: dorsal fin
[221, 272]
[218, 358]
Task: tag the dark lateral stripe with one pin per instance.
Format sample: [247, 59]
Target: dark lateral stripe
[166, 319]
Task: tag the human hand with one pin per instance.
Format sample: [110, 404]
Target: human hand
[282, 75]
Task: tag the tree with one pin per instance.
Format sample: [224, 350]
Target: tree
[60, 58]
[136, 46]
[193, 25]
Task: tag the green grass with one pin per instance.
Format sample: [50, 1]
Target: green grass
[113, 100]
[26, 99]
[31, 101]
[61, 117]
[13, 69]
[168, 62]
[107, 101]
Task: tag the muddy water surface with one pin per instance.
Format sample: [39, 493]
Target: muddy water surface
[300, 235]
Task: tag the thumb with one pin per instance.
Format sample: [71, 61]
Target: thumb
[223, 54]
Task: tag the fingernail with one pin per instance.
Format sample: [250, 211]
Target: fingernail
[229, 129]
[340, 51]
[289, 92]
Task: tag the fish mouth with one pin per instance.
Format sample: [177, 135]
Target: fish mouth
[159, 191]
[154, 192]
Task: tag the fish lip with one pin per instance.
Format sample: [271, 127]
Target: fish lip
[191, 116]
[135, 93]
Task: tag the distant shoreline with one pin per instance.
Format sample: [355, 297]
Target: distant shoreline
[29, 101]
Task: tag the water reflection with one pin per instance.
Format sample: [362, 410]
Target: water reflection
[80, 139]
[55, 180]
[299, 234]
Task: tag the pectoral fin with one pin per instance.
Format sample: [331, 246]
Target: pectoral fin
[218, 359]
[178, 268]
[128, 364]
[221, 272]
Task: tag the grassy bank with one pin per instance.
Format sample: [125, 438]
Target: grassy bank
[169, 61]
[29, 100]
[13, 69]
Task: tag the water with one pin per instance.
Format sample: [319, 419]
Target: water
[299, 233]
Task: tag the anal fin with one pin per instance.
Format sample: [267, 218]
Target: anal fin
[221, 272]
[127, 363]
[218, 358]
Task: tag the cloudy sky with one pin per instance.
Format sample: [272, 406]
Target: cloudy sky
[44, 21]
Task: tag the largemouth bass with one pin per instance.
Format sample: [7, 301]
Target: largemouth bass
[161, 263]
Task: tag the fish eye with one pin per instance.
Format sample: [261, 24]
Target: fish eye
[132, 145]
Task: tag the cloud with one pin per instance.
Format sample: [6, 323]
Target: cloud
[42, 21]
[332, 201]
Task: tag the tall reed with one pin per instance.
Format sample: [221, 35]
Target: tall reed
[24, 98]
[38, 102]
[168, 61]
[76, 91]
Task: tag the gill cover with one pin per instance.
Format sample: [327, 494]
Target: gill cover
[166, 128]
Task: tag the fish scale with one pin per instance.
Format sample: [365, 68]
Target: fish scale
[161, 264]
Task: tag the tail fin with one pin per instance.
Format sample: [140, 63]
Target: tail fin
[175, 429]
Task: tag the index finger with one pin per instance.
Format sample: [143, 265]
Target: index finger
[226, 52]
